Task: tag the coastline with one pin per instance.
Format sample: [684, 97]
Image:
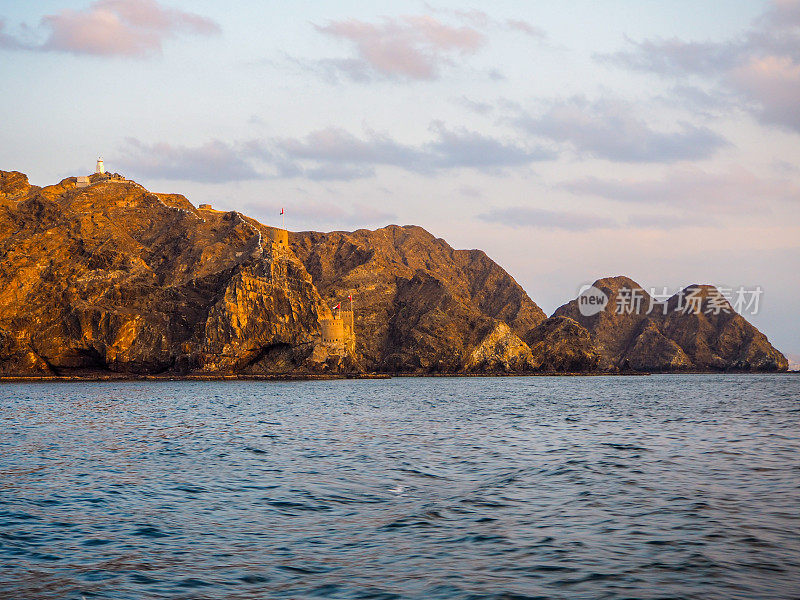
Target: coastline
[124, 377]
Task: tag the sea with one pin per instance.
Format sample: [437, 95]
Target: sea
[512, 488]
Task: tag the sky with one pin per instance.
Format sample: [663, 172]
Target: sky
[570, 141]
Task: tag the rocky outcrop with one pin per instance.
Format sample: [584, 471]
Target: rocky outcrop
[559, 344]
[14, 185]
[715, 336]
[113, 277]
[695, 330]
[422, 306]
[612, 331]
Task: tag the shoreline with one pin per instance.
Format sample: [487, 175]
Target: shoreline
[124, 377]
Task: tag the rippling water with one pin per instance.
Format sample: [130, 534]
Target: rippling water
[507, 488]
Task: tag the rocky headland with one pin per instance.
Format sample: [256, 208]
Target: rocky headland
[694, 330]
[112, 278]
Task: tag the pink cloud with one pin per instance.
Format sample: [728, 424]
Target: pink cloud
[117, 28]
[762, 66]
[413, 47]
[148, 14]
[525, 27]
[774, 83]
[481, 20]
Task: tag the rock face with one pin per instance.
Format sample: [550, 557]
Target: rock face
[695, 330]
[422, 306]
[113, 277]
[561, 345]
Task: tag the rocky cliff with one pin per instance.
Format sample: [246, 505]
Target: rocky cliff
[424, 307]
[112, 277]
[694, 330]
[421, 305]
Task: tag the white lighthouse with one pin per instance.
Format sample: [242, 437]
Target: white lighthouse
[100, 169]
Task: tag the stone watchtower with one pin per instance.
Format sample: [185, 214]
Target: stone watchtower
[338, 333]
[99, 169]
[279, 237]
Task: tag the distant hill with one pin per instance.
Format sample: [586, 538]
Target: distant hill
[422, 305]
[704, 335]
[114, 278]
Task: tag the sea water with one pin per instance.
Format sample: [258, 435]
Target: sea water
[673, 486]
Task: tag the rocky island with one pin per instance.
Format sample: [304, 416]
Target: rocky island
[100, 275]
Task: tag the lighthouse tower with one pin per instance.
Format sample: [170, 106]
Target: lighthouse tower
[99, 169]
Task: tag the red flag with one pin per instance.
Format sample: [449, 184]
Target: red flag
[350, 297]
[337, 306]
[281, 211]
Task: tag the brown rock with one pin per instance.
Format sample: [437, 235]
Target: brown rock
[113, 277]
[420, 304]
[13, 185]
[612, 332]
[561, 344]
[715, 336]
[701, 334]
[19, 358]
[652, 351]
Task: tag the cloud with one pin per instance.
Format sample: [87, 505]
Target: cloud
[735, 190]
[133, 28]
[526, 28]
[481, 108]
[333, 69]
[463, 148]
[773, 83]
[761, 66]
[522, 216]
[334, 172]
[481, 20]
[676, 57]
[470, 191]
[785, 167]
[213, 162]
[334, 145]
[410, 47]
[698, 100]
[328, 152]
[610, 129]
[683, 190]
[9, 42]
[668, 222]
